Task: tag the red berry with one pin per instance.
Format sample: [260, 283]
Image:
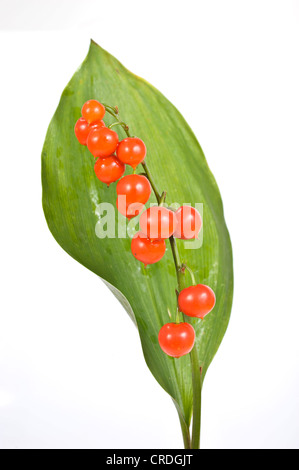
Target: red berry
[197, 301]
[176, 339]
[128, 210]
[146, 250]
[158, 222]
[82, 130]
[102, 142]
[93, 111]
[136, 188]
[96, 125]
[109, 169]
[189, 223]
[131, 151]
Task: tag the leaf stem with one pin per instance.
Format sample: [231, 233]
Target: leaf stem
[185, 433]
[196, 384]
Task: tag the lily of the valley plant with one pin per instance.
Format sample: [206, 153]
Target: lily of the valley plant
[115, 139]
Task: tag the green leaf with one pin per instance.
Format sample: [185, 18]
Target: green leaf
[71, 198]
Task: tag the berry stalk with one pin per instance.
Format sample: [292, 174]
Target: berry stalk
[114, 113]
[180, 272]
[156, 225]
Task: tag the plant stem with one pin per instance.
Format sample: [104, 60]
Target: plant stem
[162, 198]
[196, 372]
[191, 274]
[111, 111]
[185, 433]
[196, 384]
[180, 273]
[150, 178]
[119, 123]
[178, 265]
[125, 127]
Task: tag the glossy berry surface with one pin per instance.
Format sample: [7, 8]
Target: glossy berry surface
[131, 151]
[176, 339]
[109, 169]
[189, 223]
[82, 130]
[136, 188]
[197, 301]
[93, 111]
[96, 125]
[158, 222]
[102, 142]
[146, 250]
[133, 191]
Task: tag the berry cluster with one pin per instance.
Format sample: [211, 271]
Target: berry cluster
[102, 142]
[157, 223]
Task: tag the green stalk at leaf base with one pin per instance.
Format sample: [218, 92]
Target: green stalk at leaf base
[185, 430]
[196, 382]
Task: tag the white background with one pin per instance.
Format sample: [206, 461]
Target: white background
[72, 374]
